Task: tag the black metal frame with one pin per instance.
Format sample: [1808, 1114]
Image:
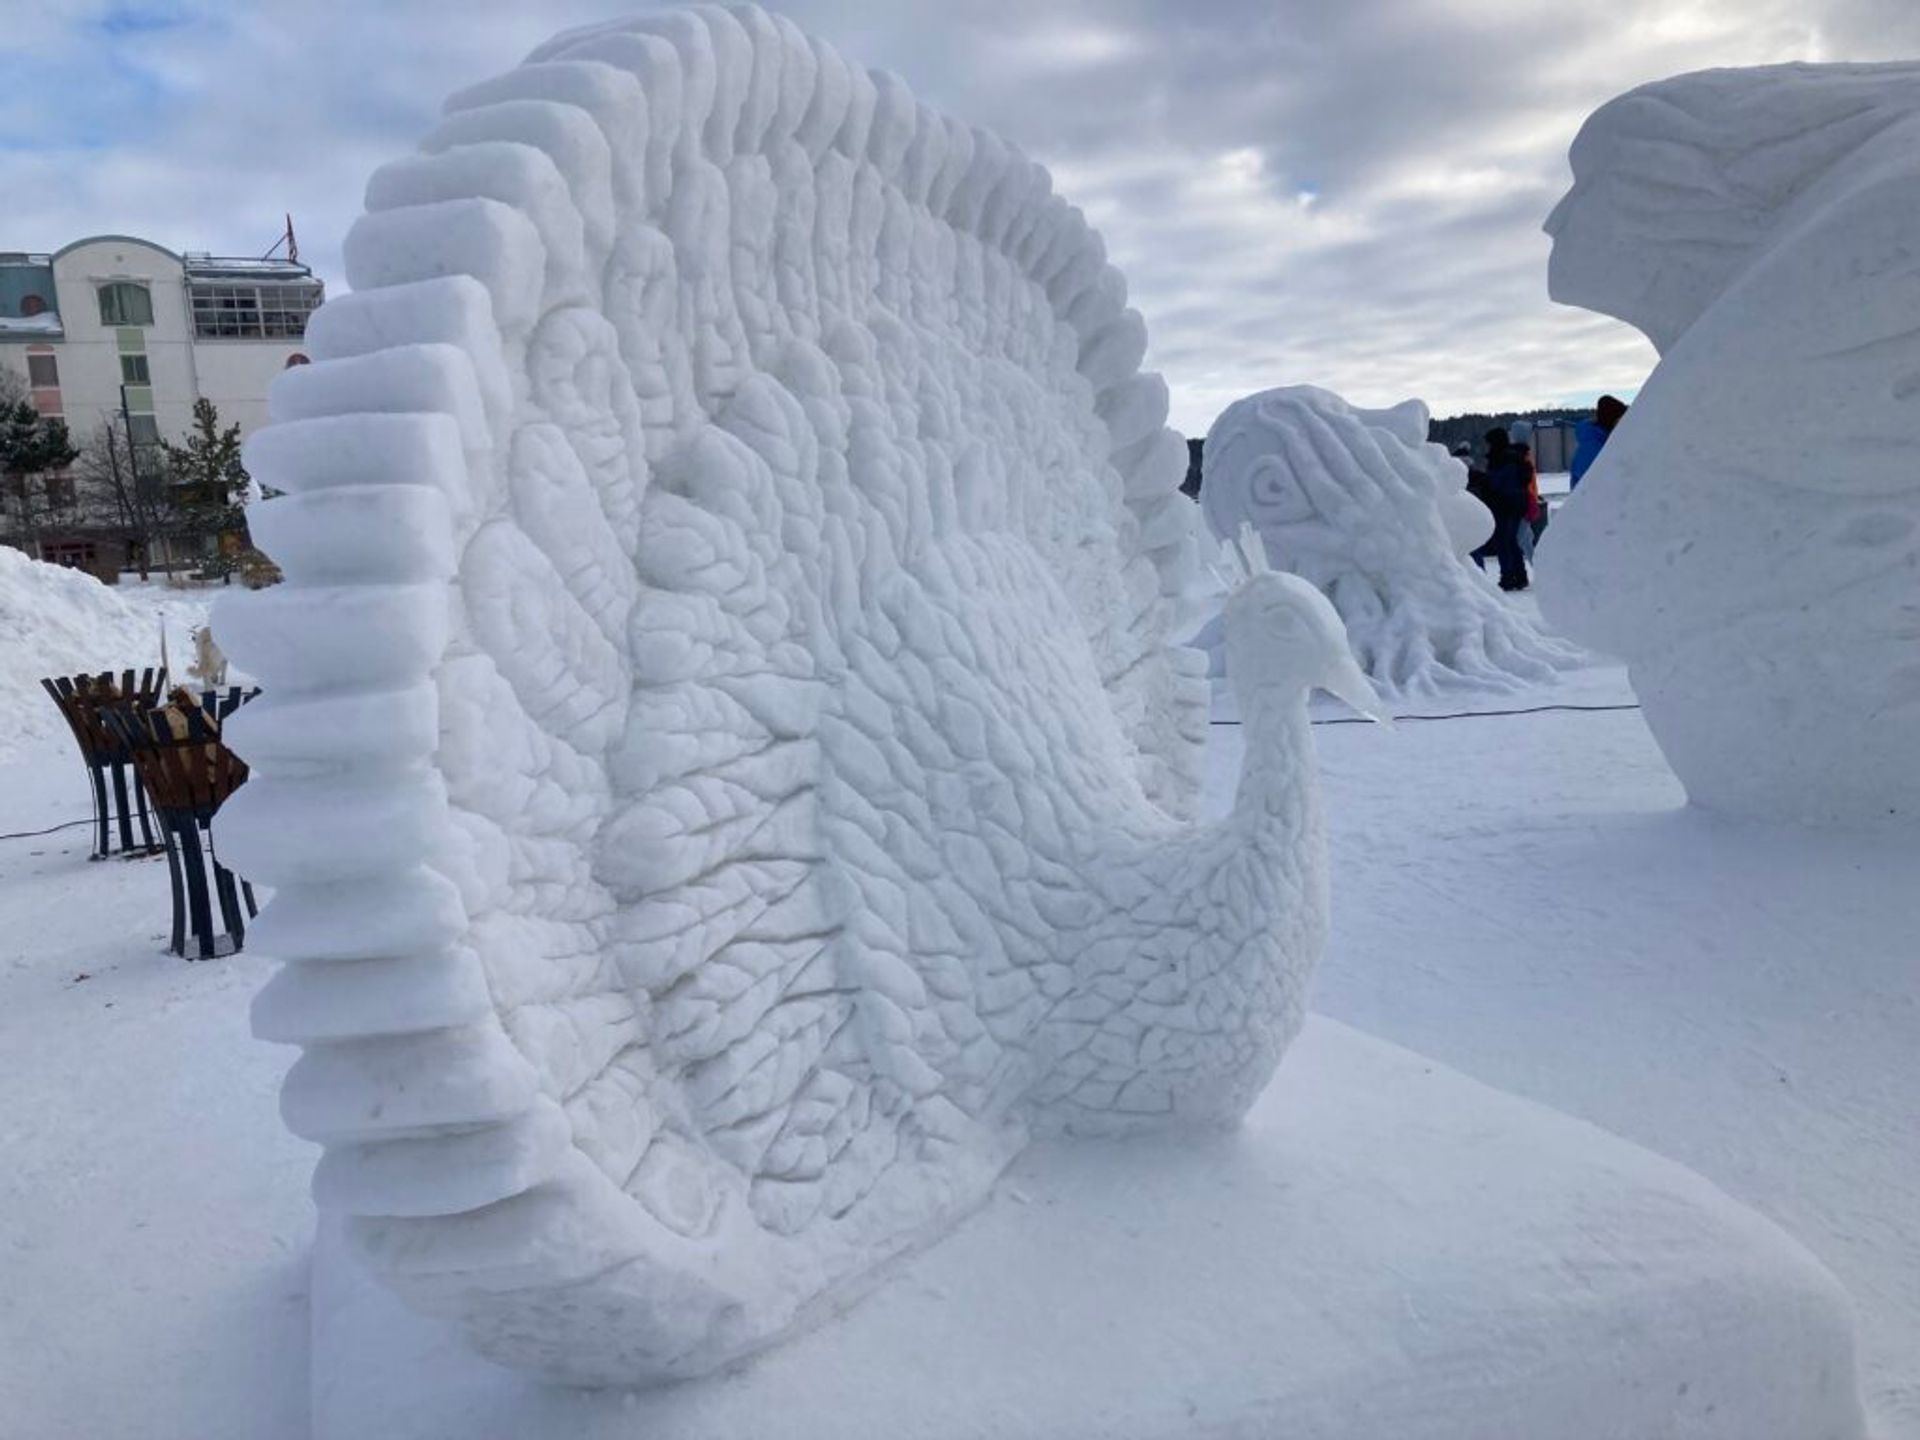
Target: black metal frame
[186, 827]
[104, 752]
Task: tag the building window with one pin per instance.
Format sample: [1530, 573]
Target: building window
[133, 370]
[253, 312]
[74, 554]
[33, 305]
[43, 371]
[144, 429]
[124, 303]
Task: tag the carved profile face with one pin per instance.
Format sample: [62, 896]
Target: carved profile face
[1757, 524]
[1676, 183]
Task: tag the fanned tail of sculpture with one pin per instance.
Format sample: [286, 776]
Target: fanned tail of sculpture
[724, 758]
[1749, 539]
[1359, 502]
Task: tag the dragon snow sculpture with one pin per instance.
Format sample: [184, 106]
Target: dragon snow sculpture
[1750, 537]
[725, 763]
[1361, 504]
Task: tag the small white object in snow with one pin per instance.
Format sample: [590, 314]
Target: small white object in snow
[1361, 504]
[1749, 540]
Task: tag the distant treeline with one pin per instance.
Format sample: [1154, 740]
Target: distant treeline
[1467, 429]
[1450, 432]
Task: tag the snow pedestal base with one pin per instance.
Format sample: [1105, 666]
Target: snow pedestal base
[1387, 1248]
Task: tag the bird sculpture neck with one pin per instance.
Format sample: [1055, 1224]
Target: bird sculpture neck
[1277, 774]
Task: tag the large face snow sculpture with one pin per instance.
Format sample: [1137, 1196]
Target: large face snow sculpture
[723, 759]
[1750, 538]
[1359, 502]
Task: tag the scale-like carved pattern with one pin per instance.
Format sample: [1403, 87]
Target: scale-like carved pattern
[801, 828]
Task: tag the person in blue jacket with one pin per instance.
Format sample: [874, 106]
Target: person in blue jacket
[1590, 435]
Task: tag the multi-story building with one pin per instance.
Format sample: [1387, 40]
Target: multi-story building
[118, 333]
[119, 330]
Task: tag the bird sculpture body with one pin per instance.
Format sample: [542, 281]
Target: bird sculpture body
[726, 763]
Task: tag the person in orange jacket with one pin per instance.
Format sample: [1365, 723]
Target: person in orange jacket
[1534, 519]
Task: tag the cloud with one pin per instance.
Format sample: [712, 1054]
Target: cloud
[1344, 194]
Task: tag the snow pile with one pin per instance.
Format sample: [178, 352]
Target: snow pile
[1359, 502]
[1749, 540]
[1389, 1251]
[727, 692]
[56, 621]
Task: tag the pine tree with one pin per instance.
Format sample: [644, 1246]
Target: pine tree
[208, 486]
[31, 445]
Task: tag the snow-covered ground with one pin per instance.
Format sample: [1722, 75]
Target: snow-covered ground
[153, 1210]
[1522, 897]
[1526, 898]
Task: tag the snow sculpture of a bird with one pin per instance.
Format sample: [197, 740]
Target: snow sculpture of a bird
[724, 760]
[1360, 503]
[1749, 539]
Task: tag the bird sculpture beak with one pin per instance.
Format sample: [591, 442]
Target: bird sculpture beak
[1349, 683]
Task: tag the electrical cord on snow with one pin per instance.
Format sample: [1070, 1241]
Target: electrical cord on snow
[1456, 715]
[1331, 720]
[50, 830]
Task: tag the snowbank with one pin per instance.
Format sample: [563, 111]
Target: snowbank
[56, 621]
[1387, 1249]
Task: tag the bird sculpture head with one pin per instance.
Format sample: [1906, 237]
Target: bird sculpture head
[1284, 639]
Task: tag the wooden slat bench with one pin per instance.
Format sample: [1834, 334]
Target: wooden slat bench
[83, 701]
[188, 773]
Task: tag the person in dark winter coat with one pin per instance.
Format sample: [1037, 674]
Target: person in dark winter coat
[1590, 435]
[1509, 488]
[1477, 488]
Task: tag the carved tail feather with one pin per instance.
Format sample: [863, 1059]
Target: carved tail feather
[625, 407]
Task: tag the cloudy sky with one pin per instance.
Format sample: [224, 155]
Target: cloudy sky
[1347, 192]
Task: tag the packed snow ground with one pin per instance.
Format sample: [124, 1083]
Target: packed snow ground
[1528, 899]
[1382, 1249]
[1523, 898]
